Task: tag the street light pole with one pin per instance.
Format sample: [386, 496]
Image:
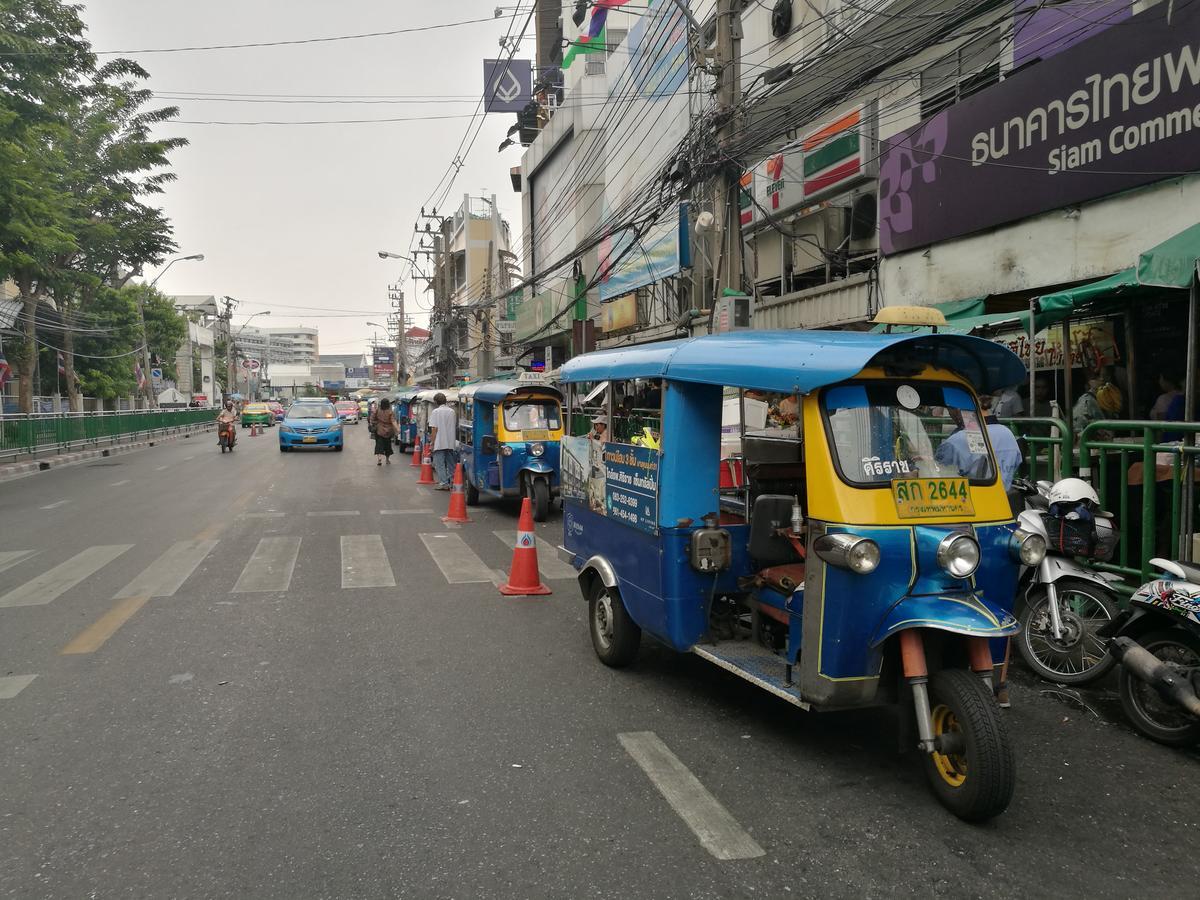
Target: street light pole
[151, 400]
[233, 345]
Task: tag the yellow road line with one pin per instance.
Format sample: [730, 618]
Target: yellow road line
[93, 637]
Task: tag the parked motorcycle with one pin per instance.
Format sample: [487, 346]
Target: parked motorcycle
[226, 436]
[1061, 603]
[1157, 642]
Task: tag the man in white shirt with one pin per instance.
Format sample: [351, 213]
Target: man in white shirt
[441, 433]
[1008, 404]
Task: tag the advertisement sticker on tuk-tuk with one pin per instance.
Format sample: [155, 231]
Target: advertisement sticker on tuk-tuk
[925, 498]
[618, 481]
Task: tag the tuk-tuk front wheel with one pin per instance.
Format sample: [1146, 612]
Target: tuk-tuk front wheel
[615, 636]
[538, 493]
[974, 771]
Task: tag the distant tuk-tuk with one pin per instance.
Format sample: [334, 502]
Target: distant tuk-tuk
[823, 517]
[406, 423]
[421, 404]
[508, 436]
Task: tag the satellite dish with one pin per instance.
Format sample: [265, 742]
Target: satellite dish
[704, 221]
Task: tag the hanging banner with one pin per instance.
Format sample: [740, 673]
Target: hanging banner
[661, 252]
[619, 314]
[1093, 345]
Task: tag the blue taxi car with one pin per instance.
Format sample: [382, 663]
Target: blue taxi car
[311, 423]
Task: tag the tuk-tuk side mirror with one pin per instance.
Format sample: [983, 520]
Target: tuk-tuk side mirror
[488, 444]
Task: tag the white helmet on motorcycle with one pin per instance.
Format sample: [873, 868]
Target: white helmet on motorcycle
[1073, 491]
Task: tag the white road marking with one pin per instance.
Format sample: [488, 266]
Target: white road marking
[718, 831]
[549, 564]
[263, 515]
[55, 582]
[11, 685]
[10, 558]
[365, 563]
[162, 468]
[188, 458]
[458, 562]
[164, 576]
[332, 512]
[270, 567]
[403, 512]
[56, 504]
[119, 483]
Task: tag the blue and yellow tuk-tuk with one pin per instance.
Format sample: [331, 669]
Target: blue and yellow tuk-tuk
[508, 436]
[823, 517]
[406, 431]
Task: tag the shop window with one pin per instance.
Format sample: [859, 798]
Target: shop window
[597, 62]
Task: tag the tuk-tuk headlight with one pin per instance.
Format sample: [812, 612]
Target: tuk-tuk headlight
[506, 450]
[1029, 549]
[958, 554]
[537, 449]
[848, 551]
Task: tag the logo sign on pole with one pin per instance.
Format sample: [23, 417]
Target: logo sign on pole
[251, 364]
[507, 84]
[156, 376]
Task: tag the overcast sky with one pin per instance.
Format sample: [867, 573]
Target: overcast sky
[292, 215]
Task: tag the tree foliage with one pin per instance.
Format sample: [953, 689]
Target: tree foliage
[78, 164]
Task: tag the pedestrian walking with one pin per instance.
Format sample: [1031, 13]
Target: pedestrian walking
[383, 426]
[441, 428]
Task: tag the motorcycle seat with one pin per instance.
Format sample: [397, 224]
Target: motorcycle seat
[1178, 568]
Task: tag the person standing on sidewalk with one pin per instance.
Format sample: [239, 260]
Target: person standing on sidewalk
[441, 430]
[383, 421]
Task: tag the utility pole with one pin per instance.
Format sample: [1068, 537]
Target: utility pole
[147, 382]
[728, 53]
[443, 282]
[230, 363]
[396, 294]
[486, 356]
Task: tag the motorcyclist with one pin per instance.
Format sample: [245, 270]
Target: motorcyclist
[227, 418]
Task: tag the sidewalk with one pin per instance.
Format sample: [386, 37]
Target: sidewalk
[49, 459]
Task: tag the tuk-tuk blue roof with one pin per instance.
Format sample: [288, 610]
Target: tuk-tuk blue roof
[795, 361]
[498, 391]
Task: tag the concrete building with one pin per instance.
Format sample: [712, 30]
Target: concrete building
[478, 265]
[284, 344]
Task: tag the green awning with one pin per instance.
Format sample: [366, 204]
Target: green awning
[1173, 262]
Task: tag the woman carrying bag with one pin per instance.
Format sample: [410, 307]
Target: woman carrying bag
[383, 426]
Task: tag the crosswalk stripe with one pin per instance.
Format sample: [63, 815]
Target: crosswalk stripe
[458, 562]
[10, 558]
[331, 513]
[365, 563]
[270, 567]
[119, 483]
[263, 515]
[55, 582]
[403, 512]
[56, 504]
[11, 685]
[549, 564]
[164, 576]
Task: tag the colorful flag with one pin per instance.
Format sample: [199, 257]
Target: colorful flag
[596, 38]
[62, 364]
[140, 375]
[5, 370]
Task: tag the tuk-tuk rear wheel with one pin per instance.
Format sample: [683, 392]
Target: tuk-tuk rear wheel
[615, 636]
[977, 783]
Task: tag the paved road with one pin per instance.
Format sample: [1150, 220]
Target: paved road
[210, 687]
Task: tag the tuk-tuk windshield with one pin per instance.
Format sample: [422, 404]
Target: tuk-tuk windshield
[540, 415]
[887, 429]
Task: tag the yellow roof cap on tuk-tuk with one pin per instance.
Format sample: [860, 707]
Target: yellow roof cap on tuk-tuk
[918, 316]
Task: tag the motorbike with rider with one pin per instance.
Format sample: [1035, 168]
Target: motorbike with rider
[227, 427]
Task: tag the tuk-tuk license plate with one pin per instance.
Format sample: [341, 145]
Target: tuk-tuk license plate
[923, 498]
[308, 440]
[536, 434]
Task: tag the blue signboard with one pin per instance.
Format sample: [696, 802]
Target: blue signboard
[507, 84]
[618, 481]
[663, 251]
[358, 372]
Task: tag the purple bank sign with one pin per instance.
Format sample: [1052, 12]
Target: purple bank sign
[1119, 110]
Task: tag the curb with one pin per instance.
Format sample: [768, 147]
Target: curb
[13, 471]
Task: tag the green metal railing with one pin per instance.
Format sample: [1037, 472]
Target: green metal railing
[30, 433]
[1108, 453]
[1049, 444]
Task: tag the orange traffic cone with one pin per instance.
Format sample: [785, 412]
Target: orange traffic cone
[426, 469]
[523, 578]
[416, 457]
[458, 499]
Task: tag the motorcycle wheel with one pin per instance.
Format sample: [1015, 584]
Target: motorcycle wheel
[1151, 713]
[976, 784]
[1081, 656]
